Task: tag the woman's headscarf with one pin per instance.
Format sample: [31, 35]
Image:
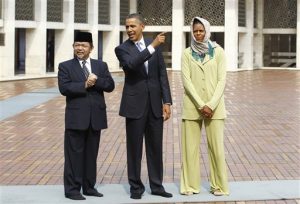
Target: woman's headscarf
[202, 47]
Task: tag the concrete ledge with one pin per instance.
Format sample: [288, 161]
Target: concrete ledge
[119, 193]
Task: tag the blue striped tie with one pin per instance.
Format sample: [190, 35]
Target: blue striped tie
[138, 44]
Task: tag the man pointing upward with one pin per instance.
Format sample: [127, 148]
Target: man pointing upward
[145, 103]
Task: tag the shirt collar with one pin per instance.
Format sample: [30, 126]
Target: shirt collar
[141, 41]
[88, 61]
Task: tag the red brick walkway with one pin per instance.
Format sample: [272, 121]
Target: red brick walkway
[262, 136]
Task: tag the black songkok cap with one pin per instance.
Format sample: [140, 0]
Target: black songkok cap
[83, 37]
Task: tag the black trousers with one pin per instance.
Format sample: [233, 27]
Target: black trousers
[152, 128]
[81, 151]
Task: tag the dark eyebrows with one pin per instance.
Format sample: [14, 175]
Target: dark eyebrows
[132, 26]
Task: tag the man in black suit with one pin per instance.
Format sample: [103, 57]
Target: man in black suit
[83, 80]
[145, 103]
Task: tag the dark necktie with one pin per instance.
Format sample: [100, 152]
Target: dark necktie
[85, 69]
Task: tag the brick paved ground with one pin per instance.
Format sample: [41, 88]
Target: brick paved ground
[12, 88]
[262, 135]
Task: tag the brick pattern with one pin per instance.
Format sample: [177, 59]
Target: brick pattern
[12, 88]
[261, 134]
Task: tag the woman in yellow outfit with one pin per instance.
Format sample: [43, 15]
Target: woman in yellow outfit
[203, 75]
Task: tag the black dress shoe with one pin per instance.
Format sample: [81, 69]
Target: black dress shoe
[136, 195]
[163, 194]
[93, 193]
[75, 197]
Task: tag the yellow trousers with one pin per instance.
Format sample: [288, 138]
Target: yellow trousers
[190, 142]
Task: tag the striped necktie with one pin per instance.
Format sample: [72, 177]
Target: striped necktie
[138, 44]
[85, 69]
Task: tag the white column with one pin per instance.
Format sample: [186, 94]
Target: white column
[93, 22]
[246, 39]
[259, 38]
[133, 6]
[231, 34]
[7, 52]
[36, 42]
[177, 33]
[111, 39]
[298, 36]
[64, 38]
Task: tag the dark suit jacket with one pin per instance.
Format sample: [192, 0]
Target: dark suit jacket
[84, 106]
[138, 84]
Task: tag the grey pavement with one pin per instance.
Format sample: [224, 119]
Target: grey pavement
[119, 193]
[17, 104]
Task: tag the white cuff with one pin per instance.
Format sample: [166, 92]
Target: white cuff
[151, 49]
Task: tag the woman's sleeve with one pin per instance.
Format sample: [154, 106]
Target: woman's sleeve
[219, 91]
[187, 82]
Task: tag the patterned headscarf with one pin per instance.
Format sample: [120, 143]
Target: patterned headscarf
[201, 47]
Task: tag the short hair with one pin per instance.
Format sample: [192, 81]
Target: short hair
[137, 16]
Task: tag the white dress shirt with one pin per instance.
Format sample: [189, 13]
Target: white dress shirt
[142, 44]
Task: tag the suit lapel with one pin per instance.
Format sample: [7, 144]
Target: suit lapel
[93, 65]
[199, 63]
[132, 47]
[78, 69]
[206, 59]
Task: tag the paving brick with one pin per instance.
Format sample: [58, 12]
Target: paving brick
[262, 138]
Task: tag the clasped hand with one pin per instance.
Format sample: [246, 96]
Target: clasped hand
[206, 112]
[91, 80]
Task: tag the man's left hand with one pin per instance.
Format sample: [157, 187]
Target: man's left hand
[91, 80]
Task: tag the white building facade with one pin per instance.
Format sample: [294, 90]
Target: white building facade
[36, 35]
